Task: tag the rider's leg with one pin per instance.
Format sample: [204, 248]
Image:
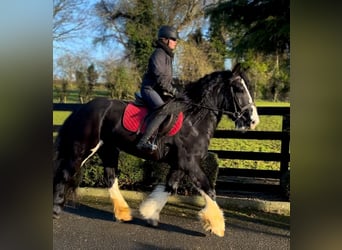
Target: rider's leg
[151, 128]
[153, 101]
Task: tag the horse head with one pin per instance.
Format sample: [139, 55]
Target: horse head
[241, 108]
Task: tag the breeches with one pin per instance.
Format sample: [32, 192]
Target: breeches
[151, 97]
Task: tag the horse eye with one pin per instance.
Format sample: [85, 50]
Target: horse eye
[238, 88]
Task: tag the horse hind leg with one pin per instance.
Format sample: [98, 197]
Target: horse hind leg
[63, 182]
[110, 157]
[122, 211]
[67, 174]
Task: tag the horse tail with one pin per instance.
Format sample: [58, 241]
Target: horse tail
[77, 140]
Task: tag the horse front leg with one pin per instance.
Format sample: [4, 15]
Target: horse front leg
[211, 215]
[150, 208]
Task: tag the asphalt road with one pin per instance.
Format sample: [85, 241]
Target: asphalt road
[88, 227]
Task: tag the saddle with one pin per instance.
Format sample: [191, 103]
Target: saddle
[136, 115]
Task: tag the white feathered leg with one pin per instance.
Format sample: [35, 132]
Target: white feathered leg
[122, 211]
[151, 207]
[212, 216]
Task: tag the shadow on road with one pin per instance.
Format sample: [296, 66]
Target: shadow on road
[94, 213]
[89, 212]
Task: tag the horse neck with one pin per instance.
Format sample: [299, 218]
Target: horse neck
[208, 97]
[205, 115]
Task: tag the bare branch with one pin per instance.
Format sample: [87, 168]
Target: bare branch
[69, 18]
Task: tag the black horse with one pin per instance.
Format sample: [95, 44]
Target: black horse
[98, 126]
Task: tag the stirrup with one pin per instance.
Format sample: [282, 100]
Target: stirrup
[147, 146]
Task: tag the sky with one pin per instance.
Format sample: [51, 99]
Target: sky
[84, 44]
[84, 40]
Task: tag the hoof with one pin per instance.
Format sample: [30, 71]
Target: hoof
[153, 223]
[56, 211]
[124, 219]
[55, 216]
[212, 217]
[123, 214]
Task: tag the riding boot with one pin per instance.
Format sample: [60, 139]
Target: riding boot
[144, 143]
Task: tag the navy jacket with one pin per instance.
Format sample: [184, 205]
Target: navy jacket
[159, 72]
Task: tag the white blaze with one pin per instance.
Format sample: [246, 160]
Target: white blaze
[255, 116]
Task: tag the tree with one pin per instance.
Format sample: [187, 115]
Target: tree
[61, 91]
[259, 25]
[121, 78]
[92, 76]
[67, 65]
[135, 24]
[193, 62]
[258, 32]
[82, 86]
[69, 18]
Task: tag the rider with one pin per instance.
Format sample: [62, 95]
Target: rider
[157, 81]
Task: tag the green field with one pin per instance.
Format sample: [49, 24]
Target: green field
[267, 123]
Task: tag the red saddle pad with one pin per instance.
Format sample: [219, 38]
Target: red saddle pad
[134, 115]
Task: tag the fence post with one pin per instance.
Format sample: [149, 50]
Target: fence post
[285, 144]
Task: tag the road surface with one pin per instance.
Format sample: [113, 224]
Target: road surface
[88, 227]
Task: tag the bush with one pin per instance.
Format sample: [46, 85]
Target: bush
[92, 172]
[129, 173]
[134, 172]
[157, 172]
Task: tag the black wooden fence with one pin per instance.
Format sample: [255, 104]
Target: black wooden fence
[264, 177]
[224, 173]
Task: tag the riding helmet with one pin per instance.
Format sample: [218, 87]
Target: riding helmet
[167, 32]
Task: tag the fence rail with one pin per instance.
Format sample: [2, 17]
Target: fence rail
[283, 157]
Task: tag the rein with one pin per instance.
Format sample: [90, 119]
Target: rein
[236, 114]
[238, 110]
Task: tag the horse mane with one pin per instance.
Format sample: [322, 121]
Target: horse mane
[199, 90]
[204, 92]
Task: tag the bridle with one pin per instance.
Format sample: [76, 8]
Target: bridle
[238, 110]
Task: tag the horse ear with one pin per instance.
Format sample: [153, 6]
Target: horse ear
[237, 68]
[240, 68]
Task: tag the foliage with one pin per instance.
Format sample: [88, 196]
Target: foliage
[135, 24]
[259, 36]
[92, 76]
[198, 56]
[62, 90]
[93, 173]
[81, 82]
[254, 32]
[263, 26]
[121, 81]
[194, 62]
[130, 171]
[86, 81]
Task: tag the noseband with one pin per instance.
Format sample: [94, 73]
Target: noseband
[238, 110]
